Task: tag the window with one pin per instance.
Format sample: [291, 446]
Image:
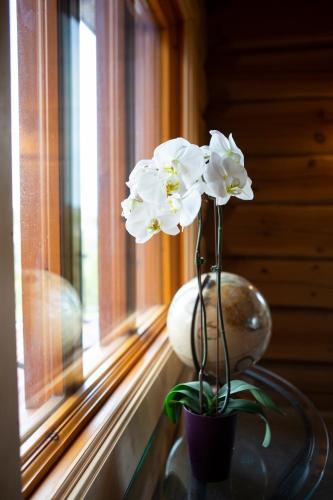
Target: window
[91, 80]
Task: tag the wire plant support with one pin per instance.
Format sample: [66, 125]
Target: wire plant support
[200, 364]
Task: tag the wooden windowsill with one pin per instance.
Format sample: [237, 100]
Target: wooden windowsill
[41, 451]
[105, 454]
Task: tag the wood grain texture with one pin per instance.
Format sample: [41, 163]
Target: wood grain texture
[299, 283]
[42, 450]
[39, 205]
[278, 230]
[259, 24]
[295, 128]
[270, 84]
[110, 46]
[304, 334]
[286, 75]
[147, 122]
[292, 179]
[106, 453]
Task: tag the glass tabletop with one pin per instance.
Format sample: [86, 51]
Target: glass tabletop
[290, 468]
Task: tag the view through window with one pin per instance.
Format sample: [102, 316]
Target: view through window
[86, 92]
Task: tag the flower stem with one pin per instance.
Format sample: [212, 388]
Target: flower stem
[193, 327]
[203, 319]
[217, 368]
[220, 323]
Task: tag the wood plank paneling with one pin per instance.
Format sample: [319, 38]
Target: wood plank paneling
[240, 74]
[271, 84]
[292, 179]
[278, 230]
[299, 283]
[263, 24]
[307, 332]
[295, 128]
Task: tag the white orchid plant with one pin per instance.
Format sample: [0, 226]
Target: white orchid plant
[166, 191]
[166, 194]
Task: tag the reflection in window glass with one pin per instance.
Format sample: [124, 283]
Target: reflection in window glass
[85, 109]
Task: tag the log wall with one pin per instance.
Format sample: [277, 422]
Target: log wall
[269, 76]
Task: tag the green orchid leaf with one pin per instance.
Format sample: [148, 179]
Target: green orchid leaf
[195, 386]
[175, 407]
[258, 394]
[266, 401]
[173, 411]
[177, 395]
[191, 405]
[246, 406]
[191, 392]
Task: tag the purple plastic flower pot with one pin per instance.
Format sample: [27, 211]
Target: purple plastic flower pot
[210, 444]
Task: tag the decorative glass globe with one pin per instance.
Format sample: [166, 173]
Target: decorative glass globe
[246, 316]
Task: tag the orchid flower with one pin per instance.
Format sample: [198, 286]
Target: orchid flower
[225, 175]
[180, 160]
[175, 167]
[187, 206]
[226, 148]
[145, 220]
[131, 206]
[165, 191]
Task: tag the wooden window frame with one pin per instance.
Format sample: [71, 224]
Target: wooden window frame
[94, 472]
[41, 450]
[111, 151]
[61, 431]
[40, 227]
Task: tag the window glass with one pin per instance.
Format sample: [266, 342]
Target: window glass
[85, 108]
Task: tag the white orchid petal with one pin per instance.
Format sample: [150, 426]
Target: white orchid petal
[214, 171]
[206, 152]
[192, 164]
[190, 207]
[144, 239]
[235, 171]
[247, 193]
[133, 207]
[209, 190]
[169, 220]
[215, 176]
[137, 230]
[139, 168]
[172, 231]
[218, 142]
[169, 150]
[151, 188]
[222, 200]
[212, 175]
[236, 149]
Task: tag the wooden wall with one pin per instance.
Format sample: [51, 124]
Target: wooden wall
[270, 81]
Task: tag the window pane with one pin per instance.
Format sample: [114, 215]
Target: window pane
[89, 175]
[86, 107]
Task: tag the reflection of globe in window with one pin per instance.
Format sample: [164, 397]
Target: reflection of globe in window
[55, 307]
[246, 315]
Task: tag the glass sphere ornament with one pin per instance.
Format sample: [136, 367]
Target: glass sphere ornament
[247, 322]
